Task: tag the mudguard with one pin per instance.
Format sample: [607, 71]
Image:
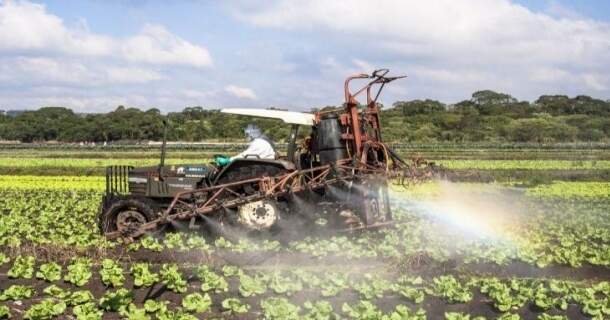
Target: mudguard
[248, 168]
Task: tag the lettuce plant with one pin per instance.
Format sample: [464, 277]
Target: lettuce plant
[143, 277]
[45, 309]
[5, 313]
[172, 278]
[154, 306]
[404, 313]
[280, 284]
[79, 272]
[116, 300]
[250, 286]
[321, 310]
[23, 267]
[49, 272]
[450, 288]
[195, 302]
[132, 312]
[279, 308]
[56, 292]
[210, 281]
[87, 311]
[4, 258]
[112, 273]
[80, 297]
[17, 292]
[235, 306]
[363, 310]
[151, 243]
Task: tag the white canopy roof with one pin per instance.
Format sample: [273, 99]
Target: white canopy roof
[302, 118]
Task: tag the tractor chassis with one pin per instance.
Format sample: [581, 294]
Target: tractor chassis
[201, 202]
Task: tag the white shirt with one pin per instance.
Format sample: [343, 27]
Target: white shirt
[258, 147]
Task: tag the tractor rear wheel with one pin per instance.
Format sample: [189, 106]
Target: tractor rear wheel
[258, 215]
[124, 214]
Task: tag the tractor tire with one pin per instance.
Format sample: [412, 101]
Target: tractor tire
[125, 212]
[242, 215]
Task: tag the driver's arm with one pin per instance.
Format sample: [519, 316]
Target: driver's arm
[251, 150]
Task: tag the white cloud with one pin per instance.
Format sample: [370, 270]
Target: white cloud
[45, 62]
[548, 74]
[241, 92]
[448, 48]
[131, 75]
[156, 45]
[97, 101]
[496, 29]
[596, 81]
[53, 71]
[363, 66]
[493, 43]
[28, 27]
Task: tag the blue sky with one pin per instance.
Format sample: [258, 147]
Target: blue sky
[94, 55]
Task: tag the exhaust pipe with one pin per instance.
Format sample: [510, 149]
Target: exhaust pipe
[163, 145]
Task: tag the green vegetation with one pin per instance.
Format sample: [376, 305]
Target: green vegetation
[532, 251]
[525, 164]
[487, 116]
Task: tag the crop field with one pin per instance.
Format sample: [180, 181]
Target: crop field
[450, 164]
[509, 249]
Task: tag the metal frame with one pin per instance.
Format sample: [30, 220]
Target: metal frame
[269, 187]
[370, 115]
[117, 180]
[357, 167]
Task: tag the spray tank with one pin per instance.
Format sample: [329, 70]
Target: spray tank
[331, 147]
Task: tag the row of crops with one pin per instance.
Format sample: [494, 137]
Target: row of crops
[556, 189]
[54, 201]
[547, 260]
[230, 291]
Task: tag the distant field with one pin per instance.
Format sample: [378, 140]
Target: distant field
[434, 151]
[502, 170]
[451, 164]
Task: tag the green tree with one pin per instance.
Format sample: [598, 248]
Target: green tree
[489, 98]
[414, 107]
[540, 130]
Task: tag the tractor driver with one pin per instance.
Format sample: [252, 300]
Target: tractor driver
[260, 147]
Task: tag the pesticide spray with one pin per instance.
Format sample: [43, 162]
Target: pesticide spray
[466, 219]
[476, 212]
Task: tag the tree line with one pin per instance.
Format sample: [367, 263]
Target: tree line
[487, 117]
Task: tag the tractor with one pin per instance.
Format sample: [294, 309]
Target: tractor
[342, 160]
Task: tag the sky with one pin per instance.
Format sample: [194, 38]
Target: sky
[94, 55]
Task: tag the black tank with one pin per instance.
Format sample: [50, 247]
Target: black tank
[330, 145]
